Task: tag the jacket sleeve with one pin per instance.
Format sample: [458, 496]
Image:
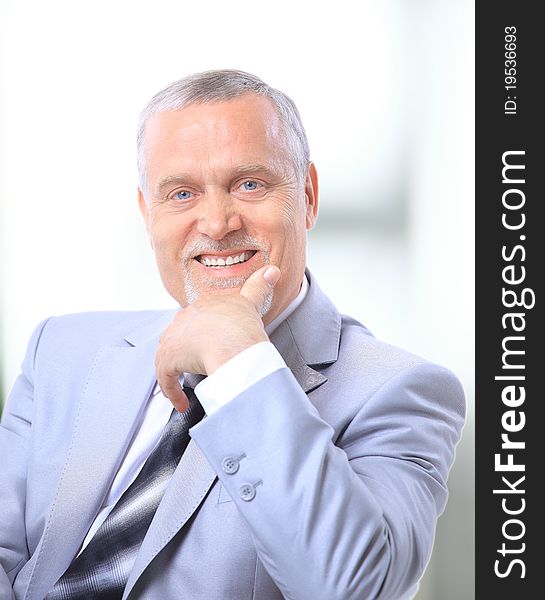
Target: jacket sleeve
[15, 440]
[341, 519]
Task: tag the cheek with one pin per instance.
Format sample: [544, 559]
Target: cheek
[289, 254]
[292, 210]
[283, 227]
[294, 227]
[168, 233]
[287, 216]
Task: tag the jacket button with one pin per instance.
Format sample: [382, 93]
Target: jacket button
[247, 492]
[230, 465]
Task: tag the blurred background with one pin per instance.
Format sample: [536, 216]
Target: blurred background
[385, 89]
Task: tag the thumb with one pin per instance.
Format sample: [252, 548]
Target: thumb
[260, 284]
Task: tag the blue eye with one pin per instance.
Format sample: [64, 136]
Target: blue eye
[183, 195]
[249, 186]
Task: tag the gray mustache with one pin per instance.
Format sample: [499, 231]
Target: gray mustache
[207, 246]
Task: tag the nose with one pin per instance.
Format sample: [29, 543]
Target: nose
[218, 215]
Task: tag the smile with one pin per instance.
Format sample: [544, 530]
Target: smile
[210, 260]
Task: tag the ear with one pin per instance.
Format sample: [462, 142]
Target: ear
[143, 205]
[311, 196]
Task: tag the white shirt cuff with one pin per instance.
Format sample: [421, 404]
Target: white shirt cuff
[237, 375]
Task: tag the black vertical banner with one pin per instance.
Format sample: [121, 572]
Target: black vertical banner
[510, 255]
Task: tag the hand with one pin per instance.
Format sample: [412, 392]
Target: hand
[210, 331]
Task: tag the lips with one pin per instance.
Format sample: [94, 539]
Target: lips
[225, 260]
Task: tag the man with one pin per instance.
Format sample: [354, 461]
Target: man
[320, 468]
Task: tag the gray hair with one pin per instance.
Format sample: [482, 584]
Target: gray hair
[219, 86]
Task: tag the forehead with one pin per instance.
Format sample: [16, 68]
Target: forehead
[247, 122]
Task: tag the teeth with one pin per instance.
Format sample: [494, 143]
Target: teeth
[230, 260]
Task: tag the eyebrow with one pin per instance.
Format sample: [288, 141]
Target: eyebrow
[256, 168]
[169, 180]
[249, 169]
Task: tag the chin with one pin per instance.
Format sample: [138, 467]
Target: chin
[194, 290]
[222, 286]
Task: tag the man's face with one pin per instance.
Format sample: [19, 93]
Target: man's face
[222, 199]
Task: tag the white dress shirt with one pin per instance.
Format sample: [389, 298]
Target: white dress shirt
[228, 381]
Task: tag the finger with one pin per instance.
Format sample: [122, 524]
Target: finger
[259, 285]
[171, 388]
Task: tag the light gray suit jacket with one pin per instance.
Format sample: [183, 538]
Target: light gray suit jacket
[346, 455]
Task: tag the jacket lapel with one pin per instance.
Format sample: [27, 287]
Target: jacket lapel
[105, 424]
[184, 494]
[309, 337]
